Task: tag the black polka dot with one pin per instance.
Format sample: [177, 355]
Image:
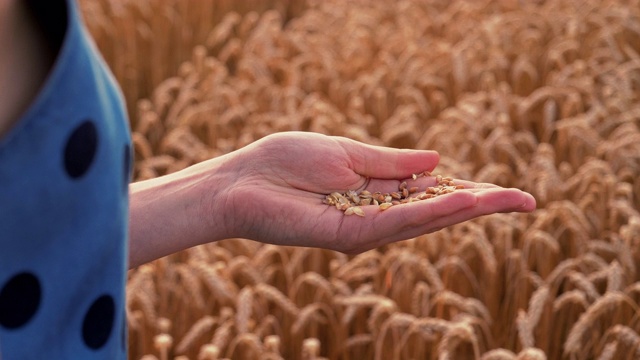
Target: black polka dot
[19, 300]
[81, 149]
[98, 322]
[127, 165]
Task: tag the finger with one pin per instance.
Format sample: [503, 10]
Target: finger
[489, 202]
[417, 214]
[504, 200]
[425, 181]
[475, 185]
[409, 220]
[424, 217]
[398, 222]
[421, 184]
[387, 163]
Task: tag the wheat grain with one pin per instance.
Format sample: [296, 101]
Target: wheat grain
[322, 286]
[583, 284]
[241, 266]
[609, 351]
[444, 267]
[197, 330]
[222, 335]
[470, 305]
[223, 289]
[420, 299]
[357, 341]
[310, 349]
[192, 284]
[536, 305]
[244, 308]
[163, 325]
[569, 299]
[575, 340]
[273, 294]
[356, 302]
[267, 326]
[525, 330]
[395, 321]
[309, 314]
[147, 305]
[244, 344]
[498, 354]
[462, 331]
[261, 257]
[272, 344]
[625, 335]
[209, 352]
[163, 343]
[531, 354]
[350, 201]
[364, 260]
[614, 277]
[380, 312]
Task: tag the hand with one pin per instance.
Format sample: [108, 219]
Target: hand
[281, 180]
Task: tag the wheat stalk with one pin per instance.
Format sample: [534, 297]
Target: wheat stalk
[244, 344]
[244, 309]
[273, 294]
[575, 342]
[197, 330]
[558, 120]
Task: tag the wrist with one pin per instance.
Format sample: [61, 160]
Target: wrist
[177, 211]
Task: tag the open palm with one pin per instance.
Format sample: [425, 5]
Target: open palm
[282, 179]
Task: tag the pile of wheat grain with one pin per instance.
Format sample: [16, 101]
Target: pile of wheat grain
[543, 96]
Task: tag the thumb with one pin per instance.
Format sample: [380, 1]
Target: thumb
[387, 163]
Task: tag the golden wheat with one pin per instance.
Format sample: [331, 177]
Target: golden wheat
[540, 96]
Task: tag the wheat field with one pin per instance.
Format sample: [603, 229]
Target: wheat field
[539, 95]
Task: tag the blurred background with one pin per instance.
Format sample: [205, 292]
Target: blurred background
[539, 95]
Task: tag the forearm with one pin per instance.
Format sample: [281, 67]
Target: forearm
[173, 212]
[271, 191]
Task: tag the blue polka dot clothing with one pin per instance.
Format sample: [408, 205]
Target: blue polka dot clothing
[64, 173]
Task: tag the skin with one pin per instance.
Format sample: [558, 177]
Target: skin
[270, 191]
[25, 60]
